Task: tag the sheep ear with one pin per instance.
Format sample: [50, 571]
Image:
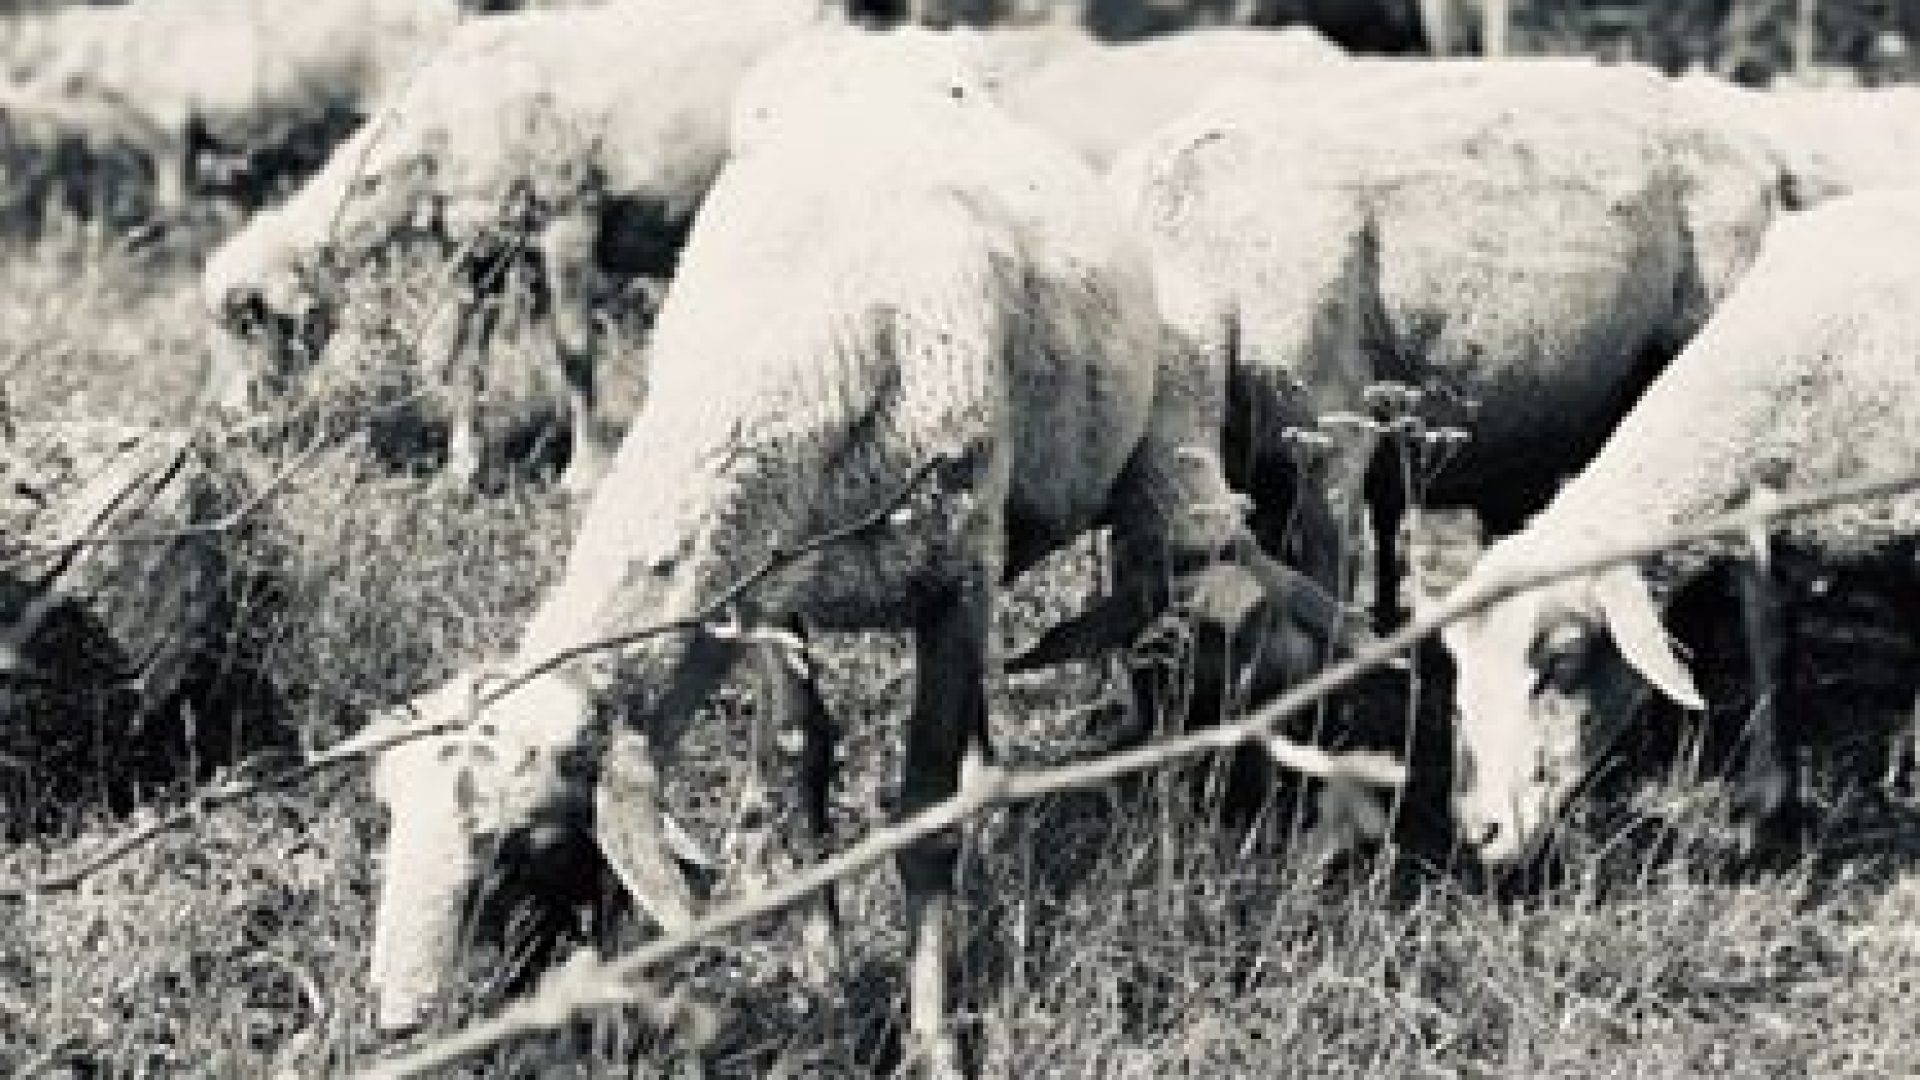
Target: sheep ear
[634, 833]
[1637, 632]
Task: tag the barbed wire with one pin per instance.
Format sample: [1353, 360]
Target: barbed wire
[208, 429]
[983, 785]
[375, 738]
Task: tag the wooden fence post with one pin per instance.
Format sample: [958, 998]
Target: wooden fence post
[1494, 16]
[1803, 33]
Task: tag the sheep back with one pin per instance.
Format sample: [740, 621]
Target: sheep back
[1514, 237]
[1804, 378]
[943, 284]
[1101, 98]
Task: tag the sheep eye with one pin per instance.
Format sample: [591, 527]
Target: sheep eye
[1561, 660]
[312, 331]
[1562, 671]
[246, 311]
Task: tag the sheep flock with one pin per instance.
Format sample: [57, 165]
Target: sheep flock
[664, 448]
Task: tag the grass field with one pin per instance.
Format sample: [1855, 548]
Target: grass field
[1107, 934]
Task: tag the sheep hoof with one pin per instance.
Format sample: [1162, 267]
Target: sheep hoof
[935, 1057]
[819, 961]
[1763, 795]
[461, 475]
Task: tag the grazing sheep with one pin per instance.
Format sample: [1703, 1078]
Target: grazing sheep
[1829, 141]
[1526, 242]
[246, 93]
[888, 274]
[85, 155]
[1100, 99]
[573, 143]
[1804, 378]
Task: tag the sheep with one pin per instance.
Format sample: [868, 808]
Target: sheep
[577, 142]
[892, 288]
[86, 155]
[1829, 141]
[1525, 242]
[245, 92]
[1099, 99]
[1804, 378]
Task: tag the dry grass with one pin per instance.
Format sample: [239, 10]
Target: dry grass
[1097, 943]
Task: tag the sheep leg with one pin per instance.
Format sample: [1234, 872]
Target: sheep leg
[949, 718]
[172, 185]
[566, 252]
[820, 928]
[793, 729]
[1346, 489]
[748, 846]
[465, 367]
[1766, 783]
[1387, 499]
[1308, 530]
[1437, 25]
[1903, 756]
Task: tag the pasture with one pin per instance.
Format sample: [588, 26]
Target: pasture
[380, 378]
[1111, 933]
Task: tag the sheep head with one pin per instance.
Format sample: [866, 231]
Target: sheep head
[499, 808]
[1546, 682]
[269, 315]
[500, 793]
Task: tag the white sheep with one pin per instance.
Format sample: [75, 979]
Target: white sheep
[1013, 51]
[889, 273]
[1804, 378]
[577, 143]
[85, 154]
[1525, 242]
[1829, 141]
[1101, 98]
[244, 81]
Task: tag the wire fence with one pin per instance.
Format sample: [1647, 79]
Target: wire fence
[585, 982]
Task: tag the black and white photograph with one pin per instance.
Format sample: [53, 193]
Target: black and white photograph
[949, 539]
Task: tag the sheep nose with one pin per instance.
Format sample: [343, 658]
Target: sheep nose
[1489, 832]
[243, 309]
[393, 1033]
